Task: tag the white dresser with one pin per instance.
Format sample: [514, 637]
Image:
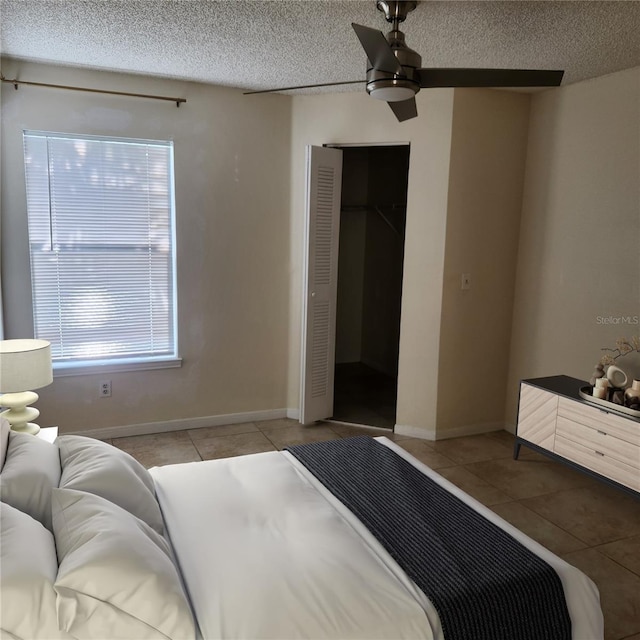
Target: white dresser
[553, 419]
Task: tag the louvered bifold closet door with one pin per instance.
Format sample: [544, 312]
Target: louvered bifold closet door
[324, 180]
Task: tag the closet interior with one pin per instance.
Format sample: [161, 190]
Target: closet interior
[370, 265]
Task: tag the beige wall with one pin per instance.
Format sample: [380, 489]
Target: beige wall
[578, 279]
[486, 174]
[240, 203]
[356, 118]
[232, 163]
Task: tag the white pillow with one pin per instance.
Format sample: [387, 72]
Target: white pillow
[97, 467]
[30, 471]
[28, 568]
[4, 440]
[115, 579]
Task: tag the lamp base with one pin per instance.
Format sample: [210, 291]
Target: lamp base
[26, 427]
[19, 413]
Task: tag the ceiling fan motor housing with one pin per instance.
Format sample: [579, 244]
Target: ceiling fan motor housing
[396, 10]
[392, 87]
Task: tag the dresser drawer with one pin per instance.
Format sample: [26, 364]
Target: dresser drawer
[598, 462]
[599, 440]
[623, 428]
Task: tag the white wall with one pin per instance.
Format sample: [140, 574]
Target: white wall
[356, 118]
[578, 279]
[486, 178]
[232, 163]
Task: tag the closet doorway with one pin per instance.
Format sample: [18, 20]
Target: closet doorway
[370, 264]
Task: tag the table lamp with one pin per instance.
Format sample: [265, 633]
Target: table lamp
[24, 365]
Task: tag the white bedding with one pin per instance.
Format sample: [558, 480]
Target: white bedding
[267, 552]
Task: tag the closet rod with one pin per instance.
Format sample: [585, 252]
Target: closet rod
[389, 223]
[15, 83]
[377, 210]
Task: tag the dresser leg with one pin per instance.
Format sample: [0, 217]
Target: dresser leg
[516, 450]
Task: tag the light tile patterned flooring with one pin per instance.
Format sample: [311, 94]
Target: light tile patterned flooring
[592, 526]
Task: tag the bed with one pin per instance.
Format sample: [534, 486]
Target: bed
[258, 546]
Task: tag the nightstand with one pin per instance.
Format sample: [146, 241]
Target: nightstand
[48, 433]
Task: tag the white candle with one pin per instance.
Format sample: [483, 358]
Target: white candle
[599, 392]
[602, 383]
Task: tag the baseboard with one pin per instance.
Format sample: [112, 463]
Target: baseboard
[432, 434]
[470, 430]
[511, 428]
[414, 432]
[184, 423]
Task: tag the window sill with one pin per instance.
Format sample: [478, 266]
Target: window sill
[63, 369]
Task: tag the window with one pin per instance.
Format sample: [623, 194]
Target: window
[101, 239]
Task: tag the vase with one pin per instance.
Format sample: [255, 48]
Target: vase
[632, 394]
[617, 377]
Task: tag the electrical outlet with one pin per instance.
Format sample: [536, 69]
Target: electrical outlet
[465, 281]
[105, 389]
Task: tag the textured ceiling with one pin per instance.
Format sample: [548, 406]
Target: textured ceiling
[268, 44]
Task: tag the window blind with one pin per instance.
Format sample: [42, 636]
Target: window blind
[101, 239]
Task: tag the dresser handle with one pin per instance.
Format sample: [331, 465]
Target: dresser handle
[604, 433]
[598, 453]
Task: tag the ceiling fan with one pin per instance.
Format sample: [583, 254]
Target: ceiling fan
[394, 74]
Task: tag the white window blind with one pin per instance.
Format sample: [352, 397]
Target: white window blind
[101, 238]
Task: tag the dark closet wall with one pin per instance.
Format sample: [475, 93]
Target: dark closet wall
[371, 255]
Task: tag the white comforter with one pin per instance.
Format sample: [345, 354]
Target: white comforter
[267, 552]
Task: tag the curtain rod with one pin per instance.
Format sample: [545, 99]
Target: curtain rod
[15, 83]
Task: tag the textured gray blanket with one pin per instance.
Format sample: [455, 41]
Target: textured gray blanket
[484, 584]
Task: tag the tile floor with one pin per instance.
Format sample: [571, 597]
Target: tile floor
[592, 526]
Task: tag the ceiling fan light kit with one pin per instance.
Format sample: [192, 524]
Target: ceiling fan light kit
[394, 72]
[392, 90]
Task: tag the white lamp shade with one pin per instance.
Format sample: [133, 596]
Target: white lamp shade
[25, 365]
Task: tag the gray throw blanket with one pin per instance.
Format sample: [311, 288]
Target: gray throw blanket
[484, 584]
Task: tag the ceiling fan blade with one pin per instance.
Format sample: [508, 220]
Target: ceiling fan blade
[304, 86]
[377, 49]
[404, 109]
[431, 78]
